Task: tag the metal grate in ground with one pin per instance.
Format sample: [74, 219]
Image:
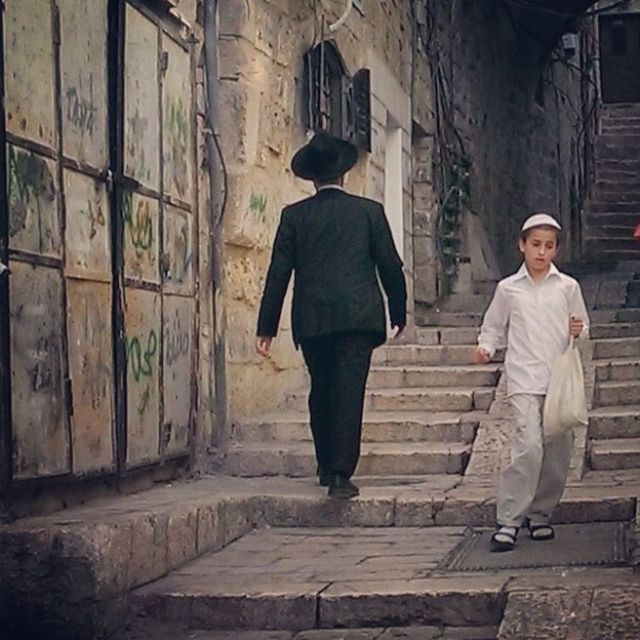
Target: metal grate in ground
[599, 543]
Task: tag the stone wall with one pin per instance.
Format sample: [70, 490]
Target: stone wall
[262, 47]
[513, 107]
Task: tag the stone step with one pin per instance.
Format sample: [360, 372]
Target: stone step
[615, 330]
[611, 232]
[423, 355]
[618, 369]
[296, 579]
[144, 629]
[620, 129]
[465, 302]
[608, 219]
[617, 139]
[427, 355]
[615, 422]
[377, 427]
[622, 186]
[597, 207]
[620, 110]
[426, 376]
[621, 453]
[445, 399]
[608, 255]
[617, 151]
[447, 335]
[617, 174]
[617, 121]
[631, 314]
[600, 244]
[623, 193]
[616, 393]
[609, 348]
[448, 318]
[622, 164]
[381, 459]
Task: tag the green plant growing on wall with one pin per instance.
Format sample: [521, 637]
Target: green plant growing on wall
[450, 217]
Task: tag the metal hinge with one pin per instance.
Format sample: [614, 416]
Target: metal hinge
[164, 62]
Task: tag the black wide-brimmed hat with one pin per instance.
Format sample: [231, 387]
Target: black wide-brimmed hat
[324, 158]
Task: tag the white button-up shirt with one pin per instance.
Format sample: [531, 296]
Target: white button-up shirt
[532, 320]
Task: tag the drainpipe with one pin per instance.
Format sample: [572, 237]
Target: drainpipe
[217, 201]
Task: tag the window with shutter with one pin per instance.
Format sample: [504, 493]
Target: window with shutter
[335, 102]
[362, 109]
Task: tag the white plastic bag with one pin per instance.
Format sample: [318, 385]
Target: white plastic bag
[565, 406]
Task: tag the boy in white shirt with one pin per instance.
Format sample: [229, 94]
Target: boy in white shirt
[533, 312]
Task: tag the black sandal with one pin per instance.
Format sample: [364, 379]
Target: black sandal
[504, 538]
[540, 532]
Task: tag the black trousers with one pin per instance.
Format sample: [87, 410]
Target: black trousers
[338, 364]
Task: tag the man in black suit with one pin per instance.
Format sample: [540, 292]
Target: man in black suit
[336, 243]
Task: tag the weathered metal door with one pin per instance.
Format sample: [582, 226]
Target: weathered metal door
[100, 238]
[158, 241]
[620, 57]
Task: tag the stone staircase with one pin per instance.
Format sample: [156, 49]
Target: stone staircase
[613, 210]
[375, 567]
[422, 407]
[614, 422]
[264, 555]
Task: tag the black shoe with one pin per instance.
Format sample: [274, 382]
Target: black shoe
[324, 477]
[342, 488]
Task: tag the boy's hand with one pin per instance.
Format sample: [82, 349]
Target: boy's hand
[263, 344]
[481, 356]
[575, 326]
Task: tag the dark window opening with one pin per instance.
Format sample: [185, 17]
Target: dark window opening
[334, 101]
[619, 38]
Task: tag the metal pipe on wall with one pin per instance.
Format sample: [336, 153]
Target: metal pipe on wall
[6, 461]
[216, 204]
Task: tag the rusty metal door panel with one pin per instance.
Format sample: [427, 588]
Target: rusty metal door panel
[141, 237]
[40, 433]
[142, 101]
[91, 373]
[177, 122]
[178, 253]
[177, 367]
[34, 224]
[87, 235]
[29, 79]
[83, 60]
[143, 336]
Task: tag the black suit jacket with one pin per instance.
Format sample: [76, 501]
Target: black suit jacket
[334, 242]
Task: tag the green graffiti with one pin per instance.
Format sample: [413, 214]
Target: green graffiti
[140, 225]
[139, 359]
[29, 182]
[258, 204]
[176, 122]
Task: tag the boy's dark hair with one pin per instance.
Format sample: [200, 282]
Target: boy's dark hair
[546, 227]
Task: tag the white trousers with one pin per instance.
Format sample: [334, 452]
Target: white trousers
[533, 482]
